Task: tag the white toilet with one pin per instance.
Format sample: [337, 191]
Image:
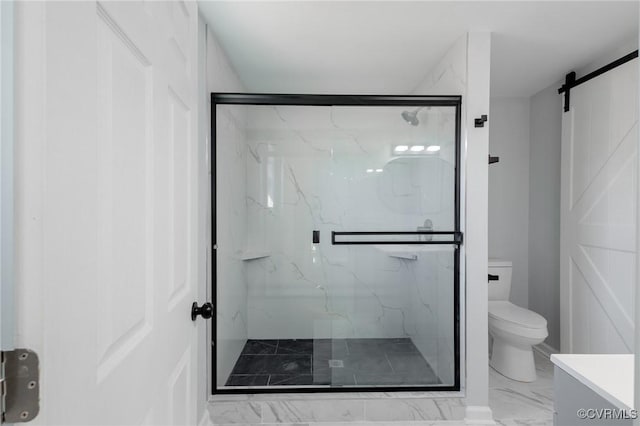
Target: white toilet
[514, 329]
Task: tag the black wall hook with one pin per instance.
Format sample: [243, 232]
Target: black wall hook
[479, 122]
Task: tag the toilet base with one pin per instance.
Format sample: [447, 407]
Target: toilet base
[512, 361]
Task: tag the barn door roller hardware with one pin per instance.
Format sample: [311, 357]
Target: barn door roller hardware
[570, 80]
[479, 122]
[19, 386]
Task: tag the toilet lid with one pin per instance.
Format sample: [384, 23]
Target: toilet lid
[506, 311]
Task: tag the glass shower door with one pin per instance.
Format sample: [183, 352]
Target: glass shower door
[337, 234]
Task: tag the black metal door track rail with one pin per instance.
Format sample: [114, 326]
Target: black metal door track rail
[570, 80]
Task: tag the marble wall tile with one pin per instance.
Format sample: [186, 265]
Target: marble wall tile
[336, 396]
[414, 409]
[313, 411]
[432, 296]
[307, 169]
[231, 313]
[235, 412]
[449, 75]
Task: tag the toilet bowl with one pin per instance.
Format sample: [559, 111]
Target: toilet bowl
[514, 329]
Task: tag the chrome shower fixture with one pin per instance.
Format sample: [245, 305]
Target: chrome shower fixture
[411, 117]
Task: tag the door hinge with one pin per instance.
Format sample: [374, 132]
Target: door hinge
[19, 386]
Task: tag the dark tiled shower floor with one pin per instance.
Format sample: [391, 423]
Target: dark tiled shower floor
[369, 362]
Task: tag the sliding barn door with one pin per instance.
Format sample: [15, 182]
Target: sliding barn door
[599, 196]
[107, 221]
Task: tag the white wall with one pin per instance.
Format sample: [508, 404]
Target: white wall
[544, 208]
[524, 199]
[476, 226]
[231, 218]
[509, 190]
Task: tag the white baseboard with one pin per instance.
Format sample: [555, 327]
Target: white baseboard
[478, 416]
[545, 350]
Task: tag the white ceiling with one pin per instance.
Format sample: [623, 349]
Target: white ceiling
[389, 46]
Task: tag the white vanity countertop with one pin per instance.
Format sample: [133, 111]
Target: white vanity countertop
[610, 376]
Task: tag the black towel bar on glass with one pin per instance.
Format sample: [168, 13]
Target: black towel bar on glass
[456, 237]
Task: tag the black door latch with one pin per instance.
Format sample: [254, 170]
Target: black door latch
[206, 310]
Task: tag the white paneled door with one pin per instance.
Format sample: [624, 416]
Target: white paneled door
[107, 212]
[598, 202]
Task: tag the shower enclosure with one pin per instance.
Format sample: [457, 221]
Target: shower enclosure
[336, 236]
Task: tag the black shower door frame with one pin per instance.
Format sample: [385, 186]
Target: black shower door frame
[339, 100]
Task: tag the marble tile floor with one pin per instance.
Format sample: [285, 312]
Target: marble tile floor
[512, 403]
[523, 404]
[336, 362]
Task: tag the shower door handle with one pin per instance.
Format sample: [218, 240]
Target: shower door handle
[205, 311]
[338, 237]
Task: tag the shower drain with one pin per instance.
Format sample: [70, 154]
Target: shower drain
[336, 363]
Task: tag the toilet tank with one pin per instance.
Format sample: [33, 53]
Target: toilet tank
[500, 288]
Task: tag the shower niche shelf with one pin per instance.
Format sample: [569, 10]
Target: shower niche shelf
[411, 252]
[403, 255]
[253, 255]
